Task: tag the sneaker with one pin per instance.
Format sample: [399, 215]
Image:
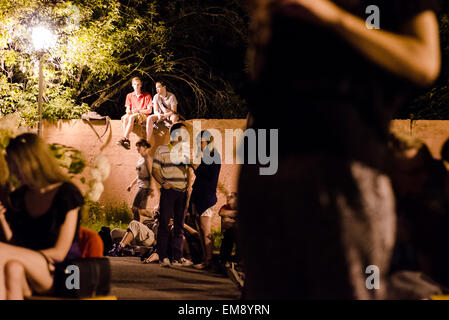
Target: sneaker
[116, 250]
[203, 266]
[183, 262]
[165, 262]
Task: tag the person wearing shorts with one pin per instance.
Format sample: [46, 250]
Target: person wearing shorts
[138, 106]
[204, 193]
[165, 106]
[143, 180]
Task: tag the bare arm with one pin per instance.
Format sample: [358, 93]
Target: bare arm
[158, 176]
[190, 229]
[65, 237]
[132, 184]
[189, 188]
[414, 54]
[4, 224]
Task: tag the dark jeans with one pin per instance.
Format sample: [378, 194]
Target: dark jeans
[229, 238]
[172, 204]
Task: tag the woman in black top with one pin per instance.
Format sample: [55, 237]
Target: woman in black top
[204, 192]
[330, 85]
[41, 222]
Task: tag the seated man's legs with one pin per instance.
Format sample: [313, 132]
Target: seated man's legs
[151, 120]
[127, 119]
[142, 235]
[170, 117]
[124, 122]
[173, 118]
[131, 119]
[136, 234]
[117, 234]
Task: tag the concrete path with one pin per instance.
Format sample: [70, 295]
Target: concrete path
[131, 279]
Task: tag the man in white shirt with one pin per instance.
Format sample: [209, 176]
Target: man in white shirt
[165, 106]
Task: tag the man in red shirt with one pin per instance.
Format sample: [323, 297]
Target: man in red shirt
[138, 106]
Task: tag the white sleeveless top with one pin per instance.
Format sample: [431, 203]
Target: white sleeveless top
[143, 176]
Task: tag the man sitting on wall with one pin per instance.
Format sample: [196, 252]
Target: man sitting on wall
[138, 106]
[165, 108]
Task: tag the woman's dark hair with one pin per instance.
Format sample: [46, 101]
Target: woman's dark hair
[206, 136]
[143, 143]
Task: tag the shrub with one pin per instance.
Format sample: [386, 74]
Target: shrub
[96, 215]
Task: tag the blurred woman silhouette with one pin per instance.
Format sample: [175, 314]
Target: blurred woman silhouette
[330, 82]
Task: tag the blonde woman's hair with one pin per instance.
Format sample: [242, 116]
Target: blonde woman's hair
[4, 172]
[31, 157]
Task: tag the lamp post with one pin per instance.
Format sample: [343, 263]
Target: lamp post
[43, 39]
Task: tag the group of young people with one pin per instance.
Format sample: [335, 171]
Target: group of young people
[171, 168]
[147, 111]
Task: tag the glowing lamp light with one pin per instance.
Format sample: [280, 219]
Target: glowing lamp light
[43, 38]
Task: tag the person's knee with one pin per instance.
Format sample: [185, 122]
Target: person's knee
[134, 227]
[151, 120]
[14, 273]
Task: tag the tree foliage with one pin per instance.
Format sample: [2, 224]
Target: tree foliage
[103, 43]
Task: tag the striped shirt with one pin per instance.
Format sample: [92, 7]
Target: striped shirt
[173, 173]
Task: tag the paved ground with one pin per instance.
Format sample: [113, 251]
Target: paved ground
[132, 279]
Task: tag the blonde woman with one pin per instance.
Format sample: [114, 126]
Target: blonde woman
[41, 221]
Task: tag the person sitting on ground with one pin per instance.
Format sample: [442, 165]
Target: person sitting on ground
[138, 106]
[228, 214]
[137, 234]
[154, 257]
[143, 179]
[165, 108]
[204, 193]
[41, 222]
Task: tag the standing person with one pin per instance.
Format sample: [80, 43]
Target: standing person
[138, 106]
[165, 107]
[228, 214]
[143, 180]
[204, 193]
[171, 173]
[331, 196]
[42, 221]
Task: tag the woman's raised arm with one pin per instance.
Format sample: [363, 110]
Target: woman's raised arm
[414, 54]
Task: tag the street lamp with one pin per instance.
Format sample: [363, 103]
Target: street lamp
[43, 39]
